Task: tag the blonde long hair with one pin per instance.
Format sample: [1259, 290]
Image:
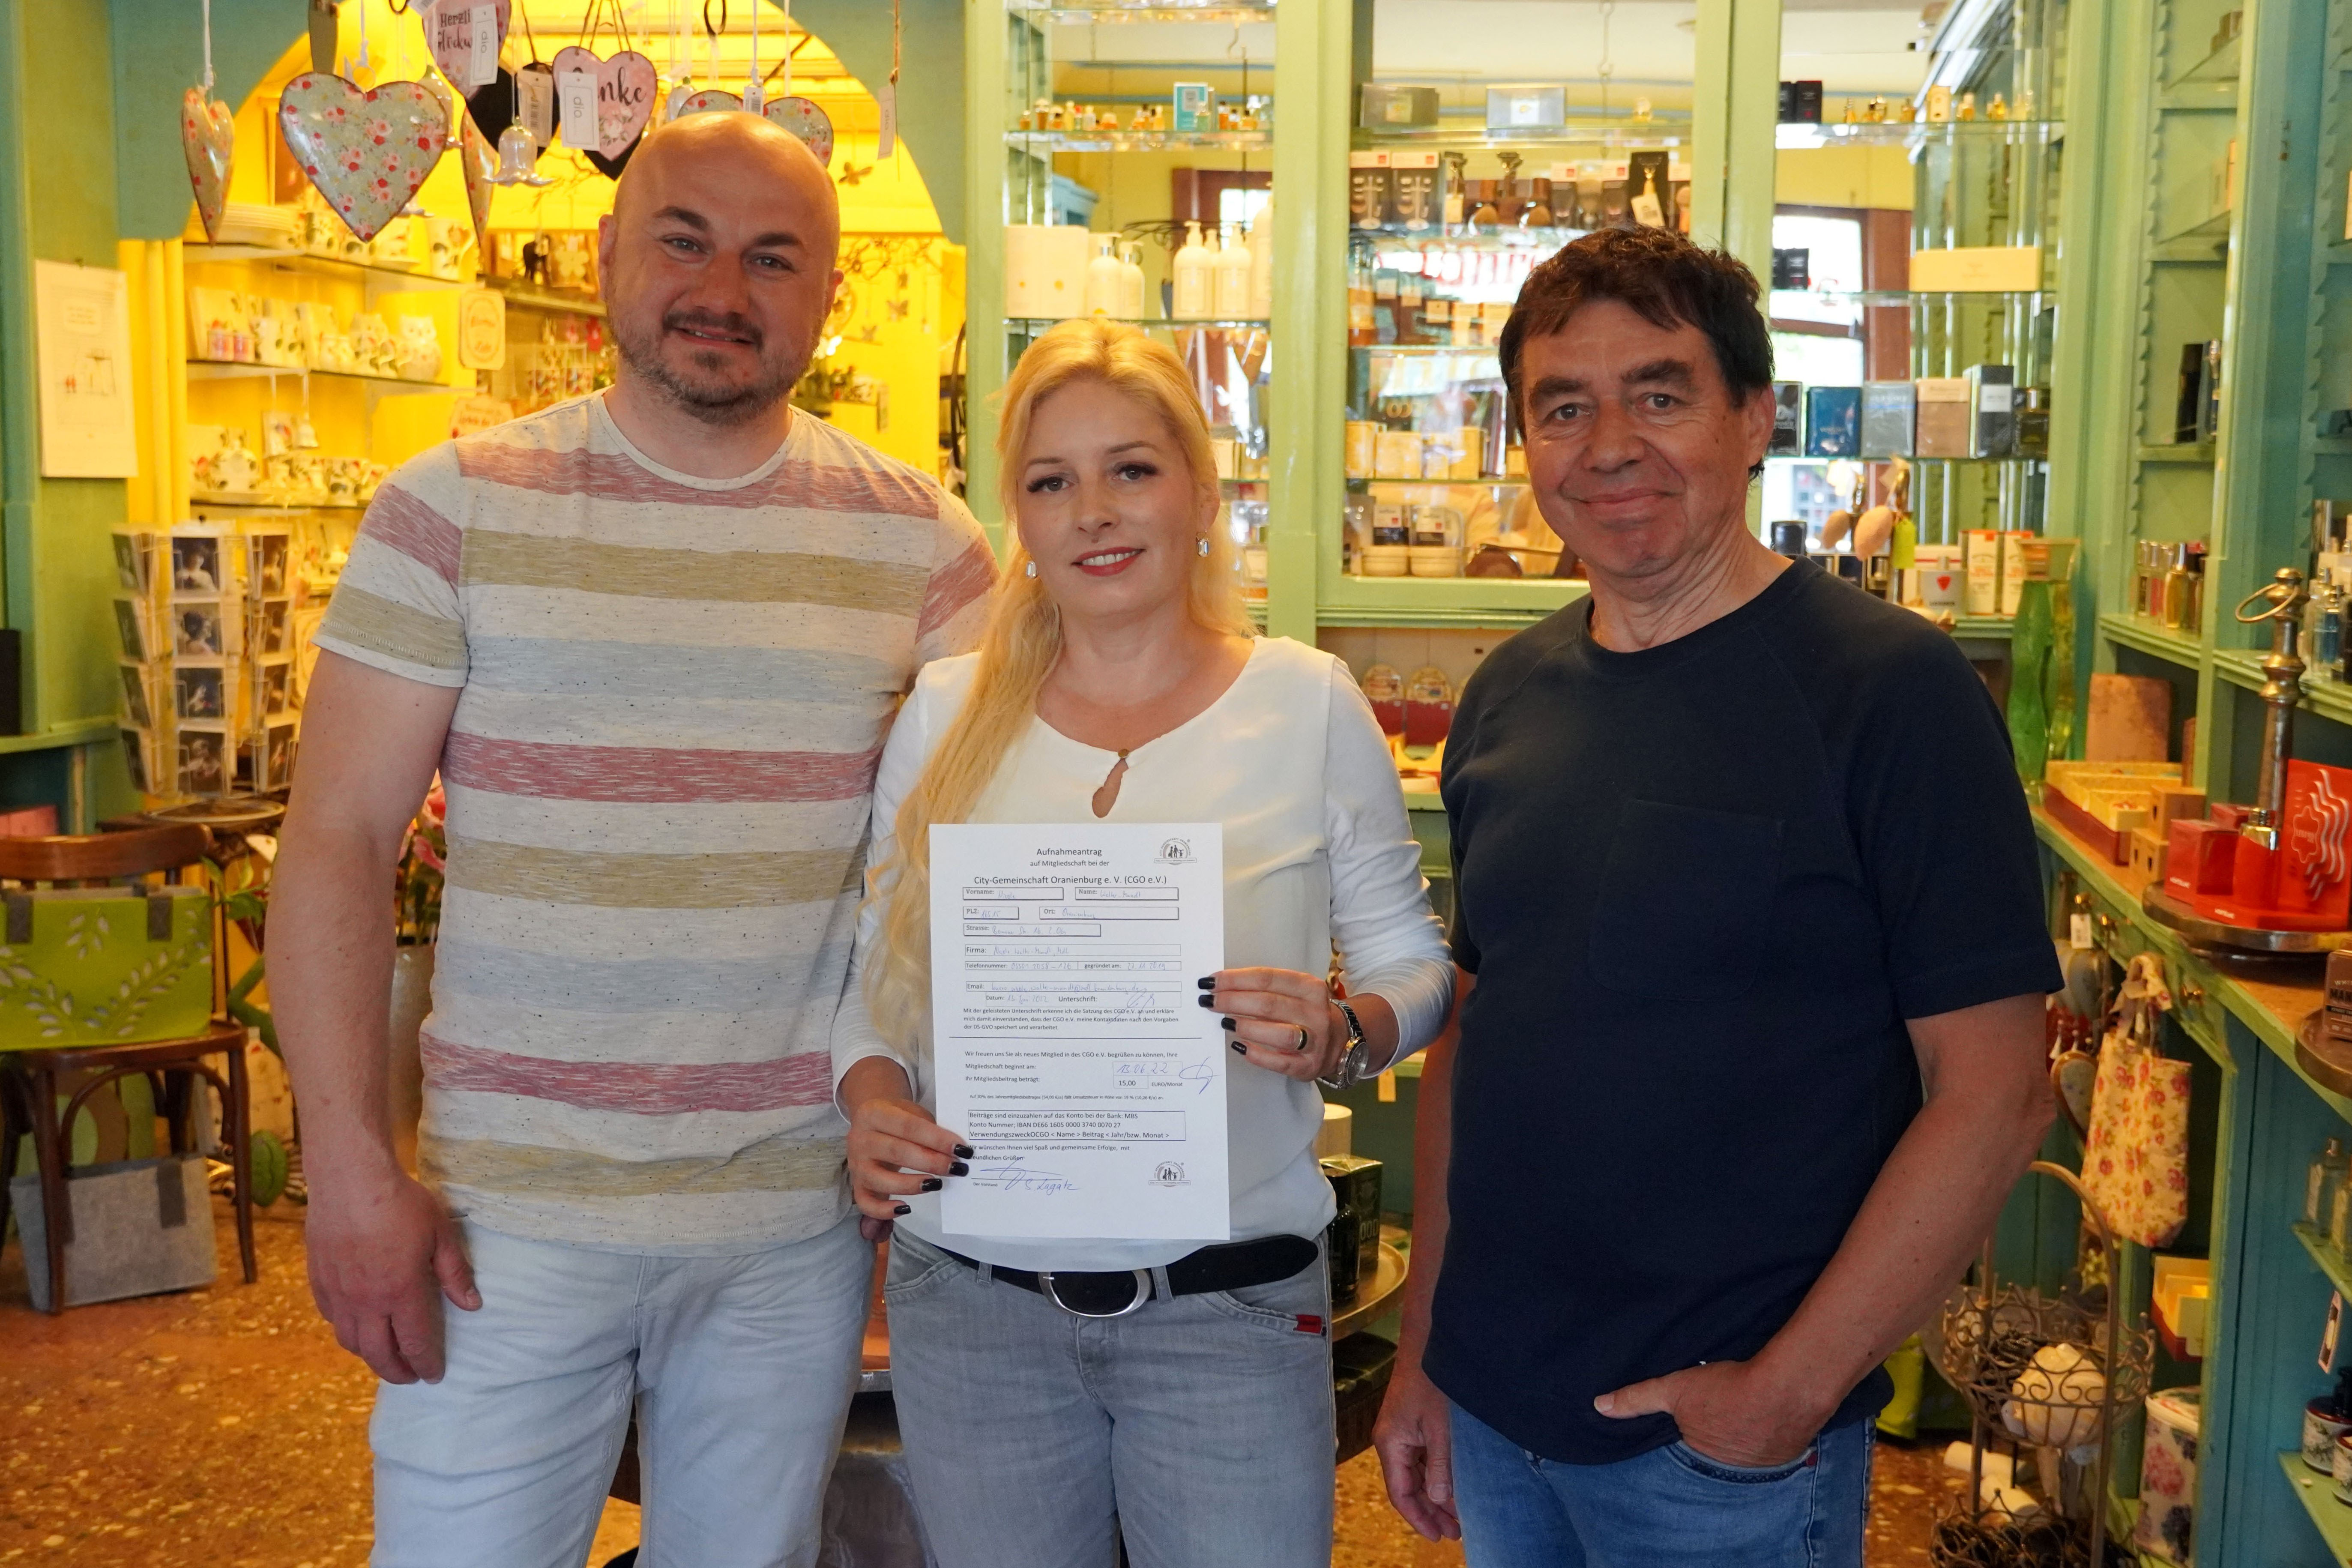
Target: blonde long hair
[1023, 641]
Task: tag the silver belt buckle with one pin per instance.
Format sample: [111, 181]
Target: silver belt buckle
[1142, 1294]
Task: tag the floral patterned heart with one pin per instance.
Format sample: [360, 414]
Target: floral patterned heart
[624, 101]
[479, 160]
[709, 101]
[449, 30]
[208, 136]
[367, 151]
[805, 120]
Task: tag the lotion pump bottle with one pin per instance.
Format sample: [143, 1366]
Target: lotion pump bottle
[1130, 281]
[1261, 272]
[1193, 285]
[1230, 269]
[1105, 280]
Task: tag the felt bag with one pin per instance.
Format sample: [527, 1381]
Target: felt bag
[2136, 1158]
[104, 967]
[140, 1227]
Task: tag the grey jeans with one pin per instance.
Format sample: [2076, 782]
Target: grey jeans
[1199, 1428]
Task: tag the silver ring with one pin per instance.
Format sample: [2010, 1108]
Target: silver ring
[1301, 1046]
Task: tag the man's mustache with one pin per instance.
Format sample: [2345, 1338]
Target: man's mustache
[711, 321]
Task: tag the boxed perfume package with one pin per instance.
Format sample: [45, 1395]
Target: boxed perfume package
[1981, 573]
[1943, 418]
[1992, 429]
[1887, 409]
[1368, 189]
[1833, 421]
[1788, 419]
[2012, 569]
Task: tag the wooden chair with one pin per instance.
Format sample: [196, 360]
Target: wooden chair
[29, 1079]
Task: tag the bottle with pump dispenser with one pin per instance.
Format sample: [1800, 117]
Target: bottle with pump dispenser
[1106, 284]
[1230, 278]
[1130, 281]
[1194, 286]
[1261, 267]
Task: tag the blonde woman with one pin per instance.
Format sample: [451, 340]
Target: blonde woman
[1179, 1397]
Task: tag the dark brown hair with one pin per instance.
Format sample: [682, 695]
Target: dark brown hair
[1660, 277]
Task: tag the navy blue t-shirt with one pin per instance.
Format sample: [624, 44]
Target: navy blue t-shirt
[1702, 885]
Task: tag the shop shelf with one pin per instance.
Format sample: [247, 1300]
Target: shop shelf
[389, 278]
[2331, 1262]
[2000, 627]
[1902, 295]
[2317, 1494]
[1913, 457]
[1159, 11]
[2329, 698]
[2219, 68]
[383, 386]
[2141, 633]
[529, 297]
[1472, 136]
[289, 506]
[1490, 483]
[2331, 445]
[1030, 326]
[80, 732]
[2207, 233]
[1802, 136]
[1138, 140]
[1496, 602]
[2175, 452]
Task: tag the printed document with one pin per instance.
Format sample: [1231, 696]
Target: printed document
[1068, 1042]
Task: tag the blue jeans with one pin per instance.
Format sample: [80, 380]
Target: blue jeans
[1669, 1508]
[1199, 1430]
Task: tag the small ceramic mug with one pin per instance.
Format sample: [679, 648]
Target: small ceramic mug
[2343, 1469]
[2321, 1427]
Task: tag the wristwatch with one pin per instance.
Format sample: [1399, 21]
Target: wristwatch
[1356, 1061]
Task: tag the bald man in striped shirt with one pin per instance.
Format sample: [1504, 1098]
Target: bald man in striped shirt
[652, 640]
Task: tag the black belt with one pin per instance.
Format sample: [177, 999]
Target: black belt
[1228, 1265]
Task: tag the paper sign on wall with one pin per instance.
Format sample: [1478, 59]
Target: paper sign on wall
[82, 332]
[575, 90]
[888, 99]
[482, 329]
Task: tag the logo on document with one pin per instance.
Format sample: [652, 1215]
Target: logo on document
[1170, 1173]
[1176, 851]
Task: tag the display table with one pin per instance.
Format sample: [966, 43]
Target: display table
[869, 1507]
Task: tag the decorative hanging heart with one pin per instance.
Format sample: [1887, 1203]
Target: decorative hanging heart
[805, 120]
[479, 160]
[368, 151]
[490, 110]
[449, 28]
[624, 102]
[208, 136]
[709, 101]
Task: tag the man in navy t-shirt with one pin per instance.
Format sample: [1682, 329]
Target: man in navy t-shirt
[1752, 943]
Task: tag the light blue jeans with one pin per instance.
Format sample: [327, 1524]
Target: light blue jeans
[740, 1368]
[1200, 1427]
[1669, 1508]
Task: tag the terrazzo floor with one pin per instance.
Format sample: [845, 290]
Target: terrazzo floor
[224, 1427]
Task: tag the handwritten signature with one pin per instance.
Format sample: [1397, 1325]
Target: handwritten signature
[1197, 1074]
[1014, 1176]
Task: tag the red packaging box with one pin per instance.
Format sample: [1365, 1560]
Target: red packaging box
[2200, 859]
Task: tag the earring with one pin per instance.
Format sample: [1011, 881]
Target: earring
[1204, 544]
[1031, 570]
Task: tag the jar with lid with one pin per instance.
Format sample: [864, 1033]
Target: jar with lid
[2323, 631]
[2325, 1174]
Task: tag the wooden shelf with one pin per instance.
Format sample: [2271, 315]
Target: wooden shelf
[2177, 452]
[2317, 1494]
[2331, 1262]
[2139, 633]
[81, 732]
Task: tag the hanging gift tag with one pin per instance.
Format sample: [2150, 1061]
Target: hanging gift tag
[535, 103]
[576, 92]
[754, 94]
[482, 58]
[889, 140]
[2078, 931]
[2328, 1335]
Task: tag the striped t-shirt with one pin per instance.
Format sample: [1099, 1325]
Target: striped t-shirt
[675, 693]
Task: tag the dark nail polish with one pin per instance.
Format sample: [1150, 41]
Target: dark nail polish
[963, 1151]
[932, 1183]
[1230, 1024]
[1208, 1001]
[1240, 1049]
[959, 1169]
[1206, 982]
[900, 1209]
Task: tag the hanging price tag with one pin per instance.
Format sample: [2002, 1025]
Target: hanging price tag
[535, 102]
[888, 141]
[2078, 931]
[482, 57]
[755, 96]
[576, 92]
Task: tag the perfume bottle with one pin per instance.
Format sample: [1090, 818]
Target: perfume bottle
[2320, 1182]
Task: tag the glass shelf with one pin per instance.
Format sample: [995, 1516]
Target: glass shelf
[2214, 230]
[1488, 482]
[530, 296]
[195, 251]
[1913, 457]
[1897, 296]
[2218, 69]
[1042, 141]
[237, 370]
[1797, 136]
[1157, 11]
[1607, 133]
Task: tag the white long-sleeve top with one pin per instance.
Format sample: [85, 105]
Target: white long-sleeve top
[1291, 761]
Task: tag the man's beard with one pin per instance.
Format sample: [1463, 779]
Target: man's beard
[713, 402]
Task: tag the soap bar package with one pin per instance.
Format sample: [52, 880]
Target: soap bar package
[1833, 421]
[2012, 570]
[1980, 585]
[1992, 415]
[1788, 419]
[1887, 409]
[1944, 420]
